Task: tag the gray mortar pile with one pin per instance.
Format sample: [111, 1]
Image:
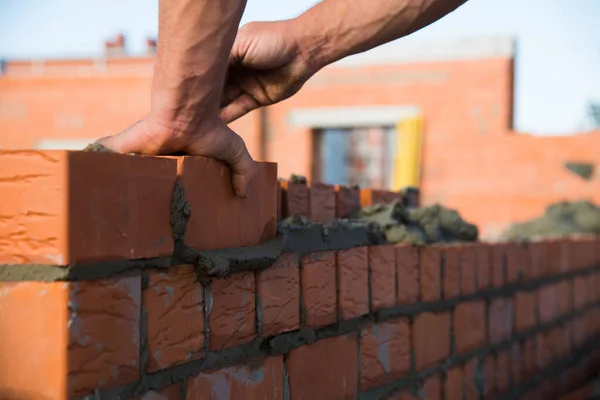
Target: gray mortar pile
[559, 220]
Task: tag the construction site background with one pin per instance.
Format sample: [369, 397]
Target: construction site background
[471, 158]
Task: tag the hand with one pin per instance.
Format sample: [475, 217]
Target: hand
[155, 135]
[268, 63]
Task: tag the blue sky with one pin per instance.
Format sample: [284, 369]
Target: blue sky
[558, 60]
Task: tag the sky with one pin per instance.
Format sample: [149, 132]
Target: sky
[557, 61]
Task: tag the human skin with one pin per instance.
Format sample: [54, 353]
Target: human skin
[270, 61]
[194, 41]
[192, 101]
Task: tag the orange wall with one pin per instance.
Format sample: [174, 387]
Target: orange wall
[472, 160]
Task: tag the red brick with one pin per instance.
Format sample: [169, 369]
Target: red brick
[353, 282]
[547, 349]
[552, 265]
[453, 389]
[484, 265]
[431, 279]
[537, 254]
[232, 315]
[382, 262]
[547, 300]
[221, 219]
[503, 370]
[468, 261]
[471, 379]
[279, 295]
[564, 257]
[433, 388]
[528, 354]
[407, 273]
[321, 203]
[319, 288]
[489, 370]
[431, 338]
[294, 199]
[59, 341]
[564, 297]
[259, 380]
[566, 341]
[501, 316]
[524, 311]
[593, 286]
[469, 326]
[62, 207]
[451, 256]
[175, 308]
[498, 251]
[517, 364]
[384, 353]
[513, 262]
[580, 291]
[347, 201]
[326, 369]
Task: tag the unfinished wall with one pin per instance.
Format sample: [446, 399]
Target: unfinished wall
[123, 277]
[473, 161]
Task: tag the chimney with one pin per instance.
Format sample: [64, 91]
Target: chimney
[115, 47]
[150, 46]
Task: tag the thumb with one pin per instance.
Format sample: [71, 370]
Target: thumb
[130, 140]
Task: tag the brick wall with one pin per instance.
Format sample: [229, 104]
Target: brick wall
[125, 277]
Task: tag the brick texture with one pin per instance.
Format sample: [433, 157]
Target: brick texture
[431, 280]
[353, 282]
[431, 338]
[321, 203]
[469, 326]
[63, 207]
[279, 295]
[222, 219]
[319, 288]
[407, 272]
[326, 369]
[347, 201]
[174, 305]
[232, 315]
[294, 199]
[525, 311]
[71, 342]
[451, 257]
[382, 268]
[261, 379]
[384, 353]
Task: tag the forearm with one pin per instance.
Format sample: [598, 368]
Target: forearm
[334, 29]
[194, 41]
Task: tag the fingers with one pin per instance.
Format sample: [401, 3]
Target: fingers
[231, 92]
[225, 145]
[237, 108]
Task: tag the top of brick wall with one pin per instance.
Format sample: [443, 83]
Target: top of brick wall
[398, 52]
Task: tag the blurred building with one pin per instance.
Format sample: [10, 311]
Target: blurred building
[436, 114]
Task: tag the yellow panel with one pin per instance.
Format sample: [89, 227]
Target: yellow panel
[407, 164]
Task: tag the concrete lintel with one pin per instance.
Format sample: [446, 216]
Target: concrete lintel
[355, 117]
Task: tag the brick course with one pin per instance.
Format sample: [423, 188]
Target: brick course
[131, 319]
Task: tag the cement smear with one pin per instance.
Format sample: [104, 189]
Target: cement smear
[560, 219]
[97, 148]
[425, 225]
